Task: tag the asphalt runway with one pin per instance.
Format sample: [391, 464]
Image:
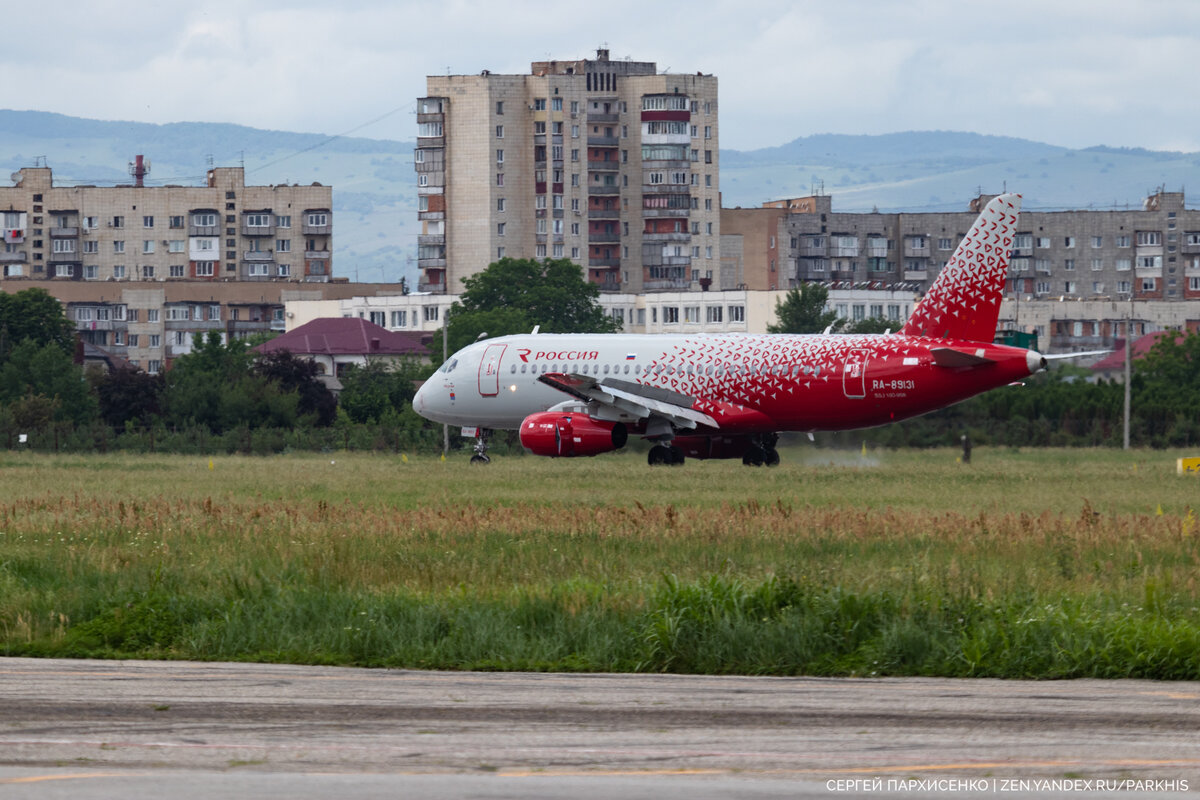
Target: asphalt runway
[198, 730]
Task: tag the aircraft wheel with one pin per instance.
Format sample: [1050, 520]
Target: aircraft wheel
[658, 455]
[771, 457]
[479, 459]
[754, 456]
[677, 457]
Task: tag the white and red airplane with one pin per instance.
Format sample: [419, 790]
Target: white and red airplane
[730, 395]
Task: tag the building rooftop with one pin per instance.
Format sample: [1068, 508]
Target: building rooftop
[332, 336]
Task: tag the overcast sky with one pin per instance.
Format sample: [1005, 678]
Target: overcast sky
[1066, 72]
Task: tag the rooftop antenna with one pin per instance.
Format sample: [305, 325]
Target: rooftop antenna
[138, 168]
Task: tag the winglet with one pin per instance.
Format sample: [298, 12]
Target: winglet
[964, 301]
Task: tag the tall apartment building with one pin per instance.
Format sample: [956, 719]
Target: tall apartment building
[607, 163]
[224, 230]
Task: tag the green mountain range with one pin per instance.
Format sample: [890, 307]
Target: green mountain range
[374, 185]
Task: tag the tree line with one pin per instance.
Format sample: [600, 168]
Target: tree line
[225, 397]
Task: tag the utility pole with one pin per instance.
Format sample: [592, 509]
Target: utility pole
[445, 358]
[1128, 370]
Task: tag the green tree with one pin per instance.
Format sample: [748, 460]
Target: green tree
[299, 376]
[370, 392]
[802, 310]
[514, 294]
[35, 315]
[129, 396]
[45, 370]
[213, 387]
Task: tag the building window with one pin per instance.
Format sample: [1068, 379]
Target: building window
[400, 319]
[431, 313]
[147, 246]
[205, 269]
[175, 270]
[147, 272]
[379, 318]
[1097, 242]
[118, 222]
[204, 220]
[671, 315]
[500, 228]
[258, 220]
[285, 270]
[118, 247]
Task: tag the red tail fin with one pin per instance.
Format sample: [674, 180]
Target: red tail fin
[964, 301]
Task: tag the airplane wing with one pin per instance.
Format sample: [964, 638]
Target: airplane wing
[631, 398]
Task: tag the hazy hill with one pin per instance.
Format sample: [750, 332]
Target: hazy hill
[942, 170]
[374, 186]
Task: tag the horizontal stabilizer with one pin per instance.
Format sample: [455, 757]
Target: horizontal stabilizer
[949, 357]
[1058, 356]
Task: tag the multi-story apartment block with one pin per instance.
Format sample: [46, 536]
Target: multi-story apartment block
[1092, 264]
[224, 230]
[606, 163]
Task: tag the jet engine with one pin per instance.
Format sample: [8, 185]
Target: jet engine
[565, 434]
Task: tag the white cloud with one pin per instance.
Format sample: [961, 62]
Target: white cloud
[1068, 72]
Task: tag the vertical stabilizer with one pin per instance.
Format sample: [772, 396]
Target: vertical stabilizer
[964, 301]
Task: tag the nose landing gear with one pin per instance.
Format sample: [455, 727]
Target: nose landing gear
[481, 445]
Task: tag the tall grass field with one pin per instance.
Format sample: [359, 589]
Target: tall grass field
[1023, 563]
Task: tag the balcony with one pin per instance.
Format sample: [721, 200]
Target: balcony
[603, 189]
[916, 275]
[604, 262]
[431, 238]
[813, 251]
[663, 285]
[63, 258]
[676, 236]
[602, 119]
[916, 251]
[604, 213]
[660, 213]
[602, 238]
[603, 141]
[431, 263]
[204, 230]
[310, 255]
[317, 230]
[258, 255]
[610, 166]
[435, 288]
[63, 233]
[16, 257]
[97, 325]
[257, 230]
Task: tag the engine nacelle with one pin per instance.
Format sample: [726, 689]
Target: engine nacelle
[569, 434]
[712, 446]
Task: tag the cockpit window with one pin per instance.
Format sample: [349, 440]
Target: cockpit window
[449, 366]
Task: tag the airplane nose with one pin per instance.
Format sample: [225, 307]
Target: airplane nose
[418, 401]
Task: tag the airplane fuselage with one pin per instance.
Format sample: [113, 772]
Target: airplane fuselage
[746, 383]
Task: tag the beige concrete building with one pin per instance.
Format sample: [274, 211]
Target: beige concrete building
[222, 231]
[607, 163]
[149, 323]
[1074, 276]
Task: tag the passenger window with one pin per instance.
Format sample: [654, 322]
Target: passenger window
[523, 369]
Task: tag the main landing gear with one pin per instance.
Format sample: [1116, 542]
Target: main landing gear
[662, 453]
[761, 450]
[481, 446]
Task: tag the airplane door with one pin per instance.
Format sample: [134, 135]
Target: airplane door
[854, 374]
[489, 370]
